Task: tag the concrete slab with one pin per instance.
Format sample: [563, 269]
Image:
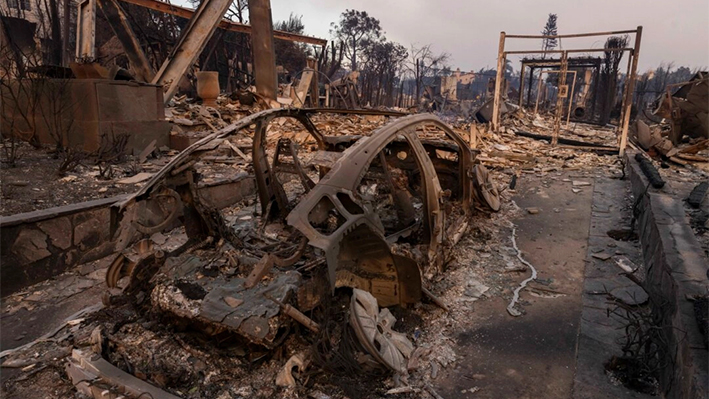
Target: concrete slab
[531, 356]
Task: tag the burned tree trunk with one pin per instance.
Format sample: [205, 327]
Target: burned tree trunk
[609, 75]
[65, 32]
[56, 50]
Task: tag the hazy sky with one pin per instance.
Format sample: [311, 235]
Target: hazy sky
[469, 30]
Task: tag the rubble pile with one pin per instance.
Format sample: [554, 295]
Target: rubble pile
[513, 151]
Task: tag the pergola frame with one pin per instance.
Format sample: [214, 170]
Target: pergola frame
[634, 53]
[541, 63]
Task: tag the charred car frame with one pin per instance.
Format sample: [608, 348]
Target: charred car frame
[376, 213]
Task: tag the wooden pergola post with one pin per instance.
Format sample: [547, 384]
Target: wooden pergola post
[560, 100]
[630, 88]
[498, 83]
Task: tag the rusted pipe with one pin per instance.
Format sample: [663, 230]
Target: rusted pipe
[296, 315]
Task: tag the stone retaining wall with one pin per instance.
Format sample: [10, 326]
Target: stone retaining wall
[38, 245]
[676, 270]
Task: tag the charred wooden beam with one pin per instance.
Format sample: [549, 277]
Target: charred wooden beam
[116, 17]
[567, 36]
[192, 40]
[184, 12]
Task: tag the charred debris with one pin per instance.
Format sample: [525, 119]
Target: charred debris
[373, 215]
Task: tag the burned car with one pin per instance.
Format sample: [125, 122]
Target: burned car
[376, 213]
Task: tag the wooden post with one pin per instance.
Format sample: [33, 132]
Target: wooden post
[327, 96]
[314, 87]
[559, 99]
[498, 83]
[571, 99]
[628, 100]
[262, 47]
[473, 135]
[622, 97]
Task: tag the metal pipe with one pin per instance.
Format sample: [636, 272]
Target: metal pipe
[296, 314]
[86, 30]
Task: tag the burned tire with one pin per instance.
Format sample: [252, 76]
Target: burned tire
[484, 188]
